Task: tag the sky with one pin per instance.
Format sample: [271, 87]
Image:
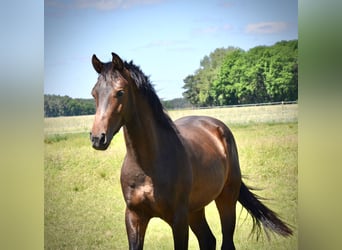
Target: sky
[166, 38]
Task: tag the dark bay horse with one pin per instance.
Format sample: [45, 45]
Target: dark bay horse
[171, 170]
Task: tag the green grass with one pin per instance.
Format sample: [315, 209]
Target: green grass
[84, 206]
[49, 139]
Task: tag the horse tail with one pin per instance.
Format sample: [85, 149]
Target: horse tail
[262, 214]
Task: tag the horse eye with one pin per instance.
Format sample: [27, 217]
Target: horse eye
[120, 93]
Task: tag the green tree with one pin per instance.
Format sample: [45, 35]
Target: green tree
[233, 76]
[192, 90]
[224, 87]
[198, 87]
[55, 105]
[282, 76]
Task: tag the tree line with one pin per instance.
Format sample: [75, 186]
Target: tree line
[230, 76]
[56, 105]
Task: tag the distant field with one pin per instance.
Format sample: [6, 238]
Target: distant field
[84, 207]
[235, 115]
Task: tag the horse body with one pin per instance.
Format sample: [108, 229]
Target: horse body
[171, 170]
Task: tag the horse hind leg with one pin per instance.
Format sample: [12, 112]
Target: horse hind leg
[200, 227]
[226, 204]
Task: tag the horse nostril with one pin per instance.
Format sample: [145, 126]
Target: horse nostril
[103, 139]
[98, 142]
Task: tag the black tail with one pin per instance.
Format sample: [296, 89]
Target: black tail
[261, 213]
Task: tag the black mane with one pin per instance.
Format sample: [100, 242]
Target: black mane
[146, 88]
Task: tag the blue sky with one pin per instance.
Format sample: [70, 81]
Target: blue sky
[166, 38]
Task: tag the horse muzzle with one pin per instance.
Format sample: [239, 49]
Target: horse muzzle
[99, 142]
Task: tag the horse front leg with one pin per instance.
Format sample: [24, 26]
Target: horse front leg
[180, 229]
[136, 227]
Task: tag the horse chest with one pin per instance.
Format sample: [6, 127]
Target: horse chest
[138, 191]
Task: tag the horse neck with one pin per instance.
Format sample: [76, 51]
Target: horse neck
[144, 136]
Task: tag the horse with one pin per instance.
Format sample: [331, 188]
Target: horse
[171, 170]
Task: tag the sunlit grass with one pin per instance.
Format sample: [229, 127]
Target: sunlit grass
[84, 206]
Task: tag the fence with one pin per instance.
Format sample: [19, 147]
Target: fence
[237, 114]
[244, 114]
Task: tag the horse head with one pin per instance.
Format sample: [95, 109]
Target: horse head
[112, 95]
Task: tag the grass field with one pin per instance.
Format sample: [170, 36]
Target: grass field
[84, 207]
[235, 115]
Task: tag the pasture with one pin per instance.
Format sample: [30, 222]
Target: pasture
[84, 207]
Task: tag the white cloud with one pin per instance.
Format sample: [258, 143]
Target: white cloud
[266, 27]
[112, 4]
[99, 4]
[226, 4]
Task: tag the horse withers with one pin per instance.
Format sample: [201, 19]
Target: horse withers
[171, 170]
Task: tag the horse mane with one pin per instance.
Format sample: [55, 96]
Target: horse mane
[146, 88]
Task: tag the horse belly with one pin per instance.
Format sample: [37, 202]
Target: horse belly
[209, 171]
[207, 153]
[208, 182]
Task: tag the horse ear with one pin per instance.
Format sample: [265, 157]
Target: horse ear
[117, 62]
[97, 64]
